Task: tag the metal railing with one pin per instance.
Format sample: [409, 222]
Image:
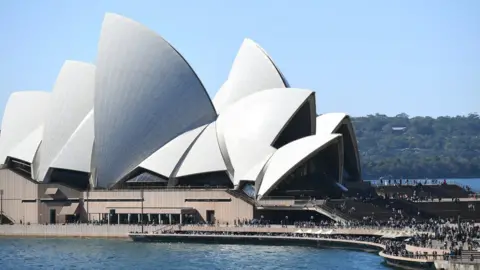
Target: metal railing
[271, 198]
[165, 228]
[161, 188]
[413, 182]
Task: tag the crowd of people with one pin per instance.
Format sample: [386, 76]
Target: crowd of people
[445, 235]
[410, 182]
[393, 247]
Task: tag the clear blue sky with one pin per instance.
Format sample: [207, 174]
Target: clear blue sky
[416, 56]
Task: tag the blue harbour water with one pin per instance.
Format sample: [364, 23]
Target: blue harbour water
[30, 253]
[39, 253]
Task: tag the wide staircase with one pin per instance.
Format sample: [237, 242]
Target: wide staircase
[361, 209]
[5, 219]
[379, 209]
[419, 191]
[451, 209]
[447, 191]
[435, 191]
[413, 209]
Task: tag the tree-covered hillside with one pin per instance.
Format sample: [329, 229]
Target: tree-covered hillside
[443, 147]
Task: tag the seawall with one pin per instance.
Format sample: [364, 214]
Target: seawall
[81, 230]
[258, 240]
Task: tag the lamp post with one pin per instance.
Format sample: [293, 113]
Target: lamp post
[141, 217]
[88, 212]
[458, 222]
[1, 206]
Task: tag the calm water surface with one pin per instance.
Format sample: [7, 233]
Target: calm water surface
[123, 254]
[29, 253]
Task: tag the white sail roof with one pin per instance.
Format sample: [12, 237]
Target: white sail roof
[71, 101]
[204, 156]
[76, 154]
[26, 149]
[165, 159]
[146, 94]
[290, 156]
[24, 113]
[252, 71]
[248, 128]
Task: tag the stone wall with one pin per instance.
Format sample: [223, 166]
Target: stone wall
[80, 230]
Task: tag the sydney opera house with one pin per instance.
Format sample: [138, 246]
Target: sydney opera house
[136, 133]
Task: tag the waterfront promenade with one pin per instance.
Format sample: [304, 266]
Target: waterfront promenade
[335, 237]
[122, 231]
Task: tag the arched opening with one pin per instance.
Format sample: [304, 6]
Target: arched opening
[70, 178]
[141, 178]
[317, 177]
[218, 179]
[19, 166]
[351, 163]
[299, 126]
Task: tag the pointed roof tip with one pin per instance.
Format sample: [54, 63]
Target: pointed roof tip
[115, 17]
[112, 14]
[334, 114]
[76, 62]
[249, 41]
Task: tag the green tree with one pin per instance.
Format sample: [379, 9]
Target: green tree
[418, 147]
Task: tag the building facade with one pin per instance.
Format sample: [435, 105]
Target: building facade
[137, 130]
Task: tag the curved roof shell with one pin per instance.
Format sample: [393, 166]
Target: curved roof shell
[71, 101]
[286, 159]
[329, 123]
[252, 71]
[76, 154]
[204, 156]
[255, 173]
[24, 113]
[340, 123]
[166, 158]
[247, 130]
[27, 148]
[146, 94]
